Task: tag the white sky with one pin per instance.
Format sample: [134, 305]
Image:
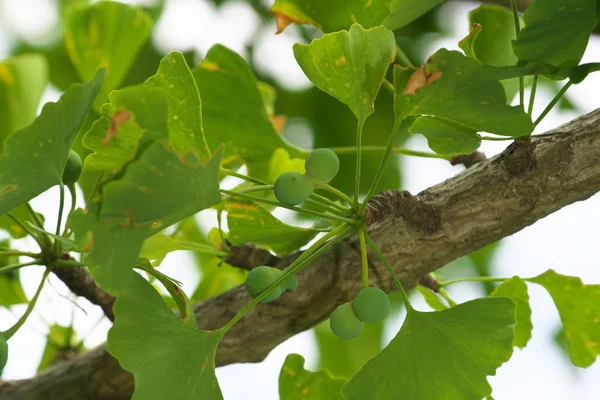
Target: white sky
[565, 241]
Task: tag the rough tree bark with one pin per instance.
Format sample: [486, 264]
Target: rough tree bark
[418, 234]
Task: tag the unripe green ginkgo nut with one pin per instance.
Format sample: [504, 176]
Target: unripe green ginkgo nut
[73, 168]
[322, 165]
[3, 352]
[291, 188]
[371, 305]
[344, 323]
[259, 279]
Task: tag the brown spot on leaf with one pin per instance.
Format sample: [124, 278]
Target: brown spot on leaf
[209, 65]
[9, 188]
[116, 121]
[279, 122]
[419, 79]
[204, 364]
[341, 61]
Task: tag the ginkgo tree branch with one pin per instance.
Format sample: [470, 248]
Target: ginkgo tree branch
[416, 234]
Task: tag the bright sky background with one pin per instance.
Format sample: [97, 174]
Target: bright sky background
[565, 241]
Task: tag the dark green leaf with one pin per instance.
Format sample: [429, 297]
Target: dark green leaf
[556, 31]
[296, 383]
[516, 289]
[330, 15]
[422, 362]
[35, 156]
[453, 87]
[350, 66]
[579, 309]
[106, 34]
[233, 111]
[168, 358]
[445, 136]
[403, 12]
[251, 223]
[22, 82]
[185, 109]
[432, 299]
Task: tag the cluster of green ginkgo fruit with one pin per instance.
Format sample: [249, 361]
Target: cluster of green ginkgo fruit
[260, 278]
[370, 305]
[292, 188]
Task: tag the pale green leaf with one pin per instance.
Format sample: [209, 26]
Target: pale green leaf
[349, 65]
[579, 308]
[516, 289]
[35, 156]
[297, 383]
[106, 34]
[432, 299]
[445, 355]
[249, 222]
[168, 358]
[11, 291]
[60, 346]
[445, 136]
[233, 112]
[556, 31]
[185, 109]
[22, 82]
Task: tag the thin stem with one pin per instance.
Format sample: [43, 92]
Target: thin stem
[258, 188]
[409, 307]
[473, 279]
[497, 139]
[61, 206]
[515, 12]
[20, 265]
[11, 331]
[553, 103]
[94, 188]
[364, 258]
[382, 165]
[403, 58]
[446, 296]
[330, 202]
[34, 217]
[532, 94]
[389, 86]
[297, 209]
[73, 194]
[229, 172]
[18, 253]
[359, 129]
[310, 254]
[26, 229]
[220, 224]
[325, 207]
[396, 150]
[336, 192]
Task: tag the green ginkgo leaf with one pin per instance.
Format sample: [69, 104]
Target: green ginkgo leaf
[22, 82]
[185, 109]
[11, 291]
[106, 34]
[34, 157]
[249, 222]
[296, 383]
[233, 111]
[168, 358]
[349, 65]
[431, 299]
[516, 289]
[445, 136]
[330, 15]
[453, 86]
[403, 12]
[556, 31]
[445, 355]
[579, 308]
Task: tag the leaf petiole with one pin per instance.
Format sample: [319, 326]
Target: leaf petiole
[396, 150]
[6, 268]
[61, 206]
[26, 229]
[364, 258]
[553, 103]
[11, 331]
